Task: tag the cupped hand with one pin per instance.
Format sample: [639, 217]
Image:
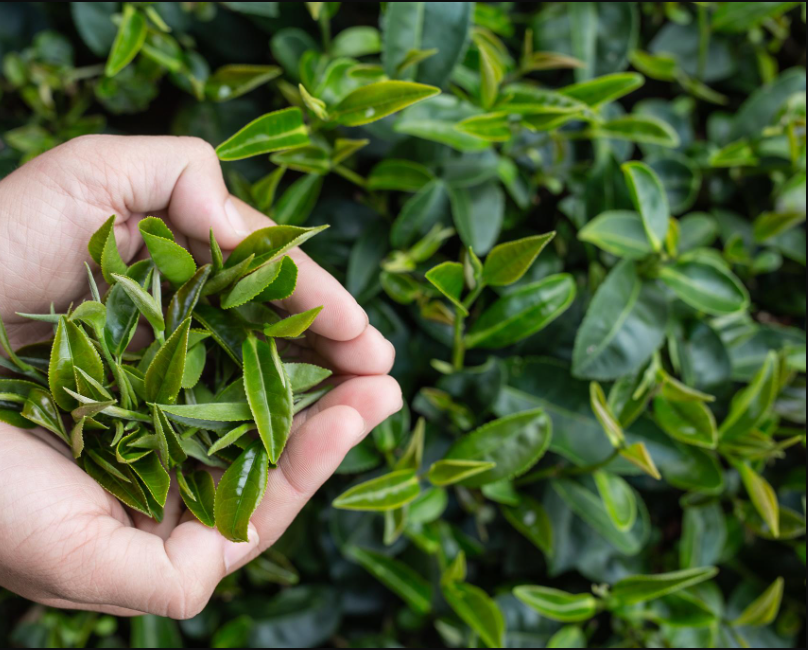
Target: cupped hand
[64, 541]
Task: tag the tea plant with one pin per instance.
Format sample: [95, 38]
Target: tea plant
[581, 224]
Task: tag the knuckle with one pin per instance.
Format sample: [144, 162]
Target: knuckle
[191, 598]
[201, 147]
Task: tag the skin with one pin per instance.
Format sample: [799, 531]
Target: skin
[64, 541]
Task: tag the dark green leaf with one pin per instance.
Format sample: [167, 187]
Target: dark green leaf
[240, 492]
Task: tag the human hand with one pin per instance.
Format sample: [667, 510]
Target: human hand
[64, 541]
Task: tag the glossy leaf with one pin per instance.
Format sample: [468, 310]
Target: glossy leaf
[449, 278]
[240, 492]
[514, 444]
[624, 325]
[478, 611]
[400, 175]
[751, 404]
[163, 379]
[449, 472]
[231, 81]
[640, 128]
[104, 251]
[173, 261]
[619, 499]
[762, 496]
[40, 408]
[274, 131]
[271, 243]
[706, 286]
[387, 492]
[650, 200]
[478, 213]
[569, 636]
[558, 605]
[602, 90]
[508, 263]
[269, 393]
[198, 493]
[644, 588]
[690, 422]
[764, 609]
[216, 417]
[396, 576]
[603, 412]
[251, 285]
[293, 326]
[130, 38]
[522, 313]
[305, 376]
[72, 349]
[143, 300]
[377, 100]
[184, 301]
[619, 232]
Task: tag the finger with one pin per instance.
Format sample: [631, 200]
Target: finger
[172, 512]
[342, 319]
[134, 570]
[368, 354]
[319, 443]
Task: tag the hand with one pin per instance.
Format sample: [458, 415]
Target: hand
[64, 541]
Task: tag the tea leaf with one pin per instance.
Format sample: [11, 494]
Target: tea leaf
[377, 100]
[104, 251]
[144, 302]
[163, 379]
[478, 611]
[558, 605]
[449, 472]
[173, 261]
[293, 326]
[514, 444]
[689, 422]
[304, 376]
[644, 588]
[618, 498]
[240, 491]
[395, 575]
[449, 279]
[72, 349]
[649, 200]
[764, 609]
[128, 41]
[508, 263]
[706, 286]
[384, 493]
[763, 497]
[198, 493]
[619, 232]
[274, 131]
[184, 301]
[269, 393]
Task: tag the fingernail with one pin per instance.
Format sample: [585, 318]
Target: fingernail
[235, 219]
[237, 552]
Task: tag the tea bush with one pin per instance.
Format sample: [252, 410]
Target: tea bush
[581, 224]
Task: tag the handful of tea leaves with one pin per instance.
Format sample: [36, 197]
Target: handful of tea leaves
[213, 375]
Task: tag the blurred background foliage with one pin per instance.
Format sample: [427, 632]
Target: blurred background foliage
[693, 325]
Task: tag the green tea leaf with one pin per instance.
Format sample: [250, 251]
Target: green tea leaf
[271, 243]
[377, 100]
[305, 376]
[400, 175]
[216, 417]
[602, 90]
[644, 129]
[478, 611]
[40, 408]
[569, 636]
[558, 605]
[274, 131]
[623, 327]
[184, 301]
[293, 326]
[152, 474]
[251, 285]
[104, 251]
[163, 379]
[690, 422]
[763, 497]
[198, 493]
[231, 81]
[618, 498]
[522, 313]
[650, 200]
[127, 491]
[478, 213]
[764, 609]
[72, 349]
[269, 393]
[449, 278]
[387, 492]
[507, 263]
[173, 261]
[706, 286]
[143, 300]
[603, 412]
[240, 492]
[128, 41]
[449, 472]
[751, 404]
[619, 232]
[396, 576]
[644, 588]
[637, 454]
[514, 444]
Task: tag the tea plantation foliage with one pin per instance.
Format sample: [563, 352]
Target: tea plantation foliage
[581, 224]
